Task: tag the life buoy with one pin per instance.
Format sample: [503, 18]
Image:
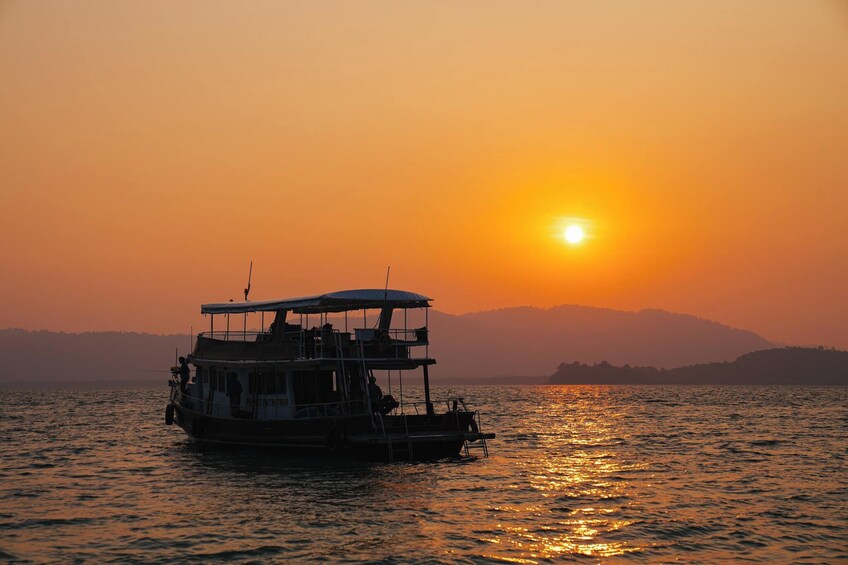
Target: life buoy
[169, 414]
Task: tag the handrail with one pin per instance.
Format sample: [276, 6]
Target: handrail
[232, 335]
[295, 411]
[397, 337]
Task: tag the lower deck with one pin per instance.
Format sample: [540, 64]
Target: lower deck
[400, 436]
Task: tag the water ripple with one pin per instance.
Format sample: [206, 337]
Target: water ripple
[711, 474]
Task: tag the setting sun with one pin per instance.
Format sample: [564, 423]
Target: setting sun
[573, 234]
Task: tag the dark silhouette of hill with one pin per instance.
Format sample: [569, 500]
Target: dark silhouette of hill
[529, 341]
[516, 343]
[788, 365]
[56, 356]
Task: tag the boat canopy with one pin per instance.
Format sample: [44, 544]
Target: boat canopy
[340, 301]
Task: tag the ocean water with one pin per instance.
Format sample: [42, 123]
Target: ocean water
[586, 474]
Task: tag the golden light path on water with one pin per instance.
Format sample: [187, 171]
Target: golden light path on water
[581, 475]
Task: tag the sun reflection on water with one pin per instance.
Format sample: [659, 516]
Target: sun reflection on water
[582, 471]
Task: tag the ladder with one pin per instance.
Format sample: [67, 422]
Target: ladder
[342, 375]
[361, 351]
[388, 438]
[408, 438]
[482, 445]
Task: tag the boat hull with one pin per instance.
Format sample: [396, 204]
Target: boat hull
[427, 438]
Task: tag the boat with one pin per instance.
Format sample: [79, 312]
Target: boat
[310, 380]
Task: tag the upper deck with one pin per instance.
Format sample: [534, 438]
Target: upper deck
[381, 344]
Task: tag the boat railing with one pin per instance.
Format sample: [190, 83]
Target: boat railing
[271, 408]
[325, 342]
[451, 404]
[322, 338]
[234, 335]
[417, 336]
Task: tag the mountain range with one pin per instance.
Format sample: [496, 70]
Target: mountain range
[534, 341]
[508, 343]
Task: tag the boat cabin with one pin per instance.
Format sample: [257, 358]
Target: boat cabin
[308, 357]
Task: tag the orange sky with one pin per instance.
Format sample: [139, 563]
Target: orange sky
[149, 151]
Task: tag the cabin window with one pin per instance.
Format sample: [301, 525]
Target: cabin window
[263, 381]
[231, 378]
[274, 383]
[314, 387]
[198, 375]
[221, 380]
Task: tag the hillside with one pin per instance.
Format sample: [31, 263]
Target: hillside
[91, 356]
[514, 342]
[529, 341]
[788, 365]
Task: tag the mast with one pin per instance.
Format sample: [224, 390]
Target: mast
[430, 411]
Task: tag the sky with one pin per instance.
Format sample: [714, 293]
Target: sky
[150, 150]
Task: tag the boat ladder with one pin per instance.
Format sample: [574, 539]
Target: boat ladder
[408, 438]
[388, 438]
[342, 374]
[361, 353]
[469, 446]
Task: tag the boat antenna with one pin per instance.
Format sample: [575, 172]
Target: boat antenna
[249, 276]
[385, 293]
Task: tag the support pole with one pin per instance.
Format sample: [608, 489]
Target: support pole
[427, 327]
[429, 404]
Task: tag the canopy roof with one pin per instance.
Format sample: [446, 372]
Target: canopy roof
[331, 302]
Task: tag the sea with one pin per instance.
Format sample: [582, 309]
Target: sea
[581, 474]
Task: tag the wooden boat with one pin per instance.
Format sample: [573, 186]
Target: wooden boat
[293, 386]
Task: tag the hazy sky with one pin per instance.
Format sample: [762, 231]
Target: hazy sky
[149, 151]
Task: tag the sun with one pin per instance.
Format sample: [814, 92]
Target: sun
[573, 234]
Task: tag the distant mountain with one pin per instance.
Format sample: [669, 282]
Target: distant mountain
[91, 356]
[516, 343]
[788, 365]
[530, 341]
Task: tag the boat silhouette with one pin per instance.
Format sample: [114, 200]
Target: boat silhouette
[300, 388]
